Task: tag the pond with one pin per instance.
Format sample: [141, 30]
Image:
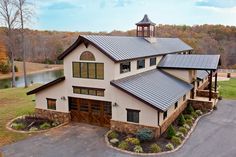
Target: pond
[41, 78]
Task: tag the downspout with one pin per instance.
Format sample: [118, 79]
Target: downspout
[158, 121]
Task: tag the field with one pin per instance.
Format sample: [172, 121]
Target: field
[228, 89]
[14, 102]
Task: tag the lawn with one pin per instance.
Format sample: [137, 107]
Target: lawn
[14, 102]
[228, 89]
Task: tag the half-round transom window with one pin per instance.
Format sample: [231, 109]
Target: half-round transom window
[87, 56]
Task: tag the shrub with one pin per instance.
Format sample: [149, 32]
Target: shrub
[154, 148]
[189, 109]
[18, 126]
[170, 146]
[45, 126]
[33, 129]
[176, 140]
[189, 122]
[181, 120]
[186, 126]
[188, 116]
[113, 134]
[54, 124]
[133, 141]
[138, 149]
[170, 132]
[123, 145]
[5, 67]
[145, 134]
[114, 141]
[215, 107]
[194, 114]
[183, 130]
[179, 134]
[199, 112]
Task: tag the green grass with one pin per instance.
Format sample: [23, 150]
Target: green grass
[228, 88]
[14, 102]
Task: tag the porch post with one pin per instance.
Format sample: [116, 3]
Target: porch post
[210, 85]
[216, 81]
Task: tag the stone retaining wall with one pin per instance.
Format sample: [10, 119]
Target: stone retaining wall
[201, 105]
[61, 117]
[205, 93]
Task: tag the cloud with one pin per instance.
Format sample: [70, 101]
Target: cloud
[122, 3]
[216, 3]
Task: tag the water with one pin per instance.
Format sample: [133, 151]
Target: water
[41, 78]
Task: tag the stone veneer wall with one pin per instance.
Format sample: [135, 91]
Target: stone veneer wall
[205, 93]
[53, 115]
[173, 117]
[201, 105]
[132, 127]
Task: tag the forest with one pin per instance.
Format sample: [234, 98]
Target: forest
[45, 46]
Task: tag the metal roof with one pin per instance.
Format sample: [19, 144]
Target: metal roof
[201, 74]
[145, 21]
[121, 48]
[154, 87]
[190, 61]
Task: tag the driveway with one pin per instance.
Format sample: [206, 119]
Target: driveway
[214, 136]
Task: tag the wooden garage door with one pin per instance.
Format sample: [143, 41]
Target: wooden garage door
[90, 111]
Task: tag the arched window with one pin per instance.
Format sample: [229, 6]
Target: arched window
[87, 56]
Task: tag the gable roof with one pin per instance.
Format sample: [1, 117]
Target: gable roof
[155, 88]
[121, 48]
[36, 90]
[190, 61]
[201, 74]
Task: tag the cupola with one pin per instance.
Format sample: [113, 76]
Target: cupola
[145, 28]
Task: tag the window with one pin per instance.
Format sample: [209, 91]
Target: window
[88, 70]
[164, 115]
[176, 104]
[87, 56]
[88, 91]
[140, 63]
[125, 67]
[51, 104]
[153, 61]
[184, 97]
[133, 115]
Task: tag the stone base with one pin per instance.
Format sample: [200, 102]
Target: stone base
[205, 93]
[202, 105]
[61, 117]
[132, 127]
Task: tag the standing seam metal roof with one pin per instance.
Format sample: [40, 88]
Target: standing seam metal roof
[155, 87]
[201, 74]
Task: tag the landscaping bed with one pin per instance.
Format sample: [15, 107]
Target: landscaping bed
[32, 123]
[143, 140]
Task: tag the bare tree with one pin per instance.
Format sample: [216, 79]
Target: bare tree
[9, 15]
[25, 14]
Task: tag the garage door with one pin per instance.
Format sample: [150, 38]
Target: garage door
[90, 111]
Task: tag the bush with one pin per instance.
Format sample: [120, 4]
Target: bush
[170, 146]
[189, 122]
[170, 132]
[154, 148]
[45, 126]
[189, 109]
[179, 134]
[133, 141]
[188, 116]
[114, 141]
[194, 114]
[138, 149]
[18, 126]
[186, 126]
[183, 130]
[33, 129]
[123, 145]
[112, 134]
[181, 120]
[5, 67]
[215, 107]
[176, 140]
[145, 134]
[199, 112]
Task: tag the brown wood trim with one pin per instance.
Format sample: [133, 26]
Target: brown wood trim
[113, 84]
[46, 85]
[161, 67]
[128, 109]
[92, 88]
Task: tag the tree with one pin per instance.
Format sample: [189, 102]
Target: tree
[25, 14]
[171, 132]
[9, 15]
[181, 120]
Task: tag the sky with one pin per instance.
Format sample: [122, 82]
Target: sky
[108, 15]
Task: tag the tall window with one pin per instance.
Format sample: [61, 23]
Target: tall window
[88, 70]
[125, 67]
[87, 56]
[133, 115]
[88, 91]
[176, 104]
[141, 63]
[164, 115]
[51, 104]
[153, 61]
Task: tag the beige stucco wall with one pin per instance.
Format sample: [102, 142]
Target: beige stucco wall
[185, 75]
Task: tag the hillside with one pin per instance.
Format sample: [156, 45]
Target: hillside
[3, 52]
[45, 46]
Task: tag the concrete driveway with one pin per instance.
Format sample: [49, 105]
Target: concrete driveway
[214, 136]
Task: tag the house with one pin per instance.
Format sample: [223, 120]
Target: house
[128, 82]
